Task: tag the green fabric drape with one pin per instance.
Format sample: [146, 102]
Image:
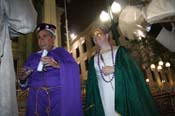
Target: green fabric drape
[132, 95]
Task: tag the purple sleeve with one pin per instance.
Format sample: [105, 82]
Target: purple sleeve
[27, 64]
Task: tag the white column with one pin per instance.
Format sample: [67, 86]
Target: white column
[50, 15]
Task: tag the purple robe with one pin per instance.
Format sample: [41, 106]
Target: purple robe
[63, 97]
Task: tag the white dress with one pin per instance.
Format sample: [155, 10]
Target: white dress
[107, 90]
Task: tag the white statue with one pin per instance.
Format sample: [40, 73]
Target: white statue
[16, 17]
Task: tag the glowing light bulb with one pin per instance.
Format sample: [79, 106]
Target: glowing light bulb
[104, 16]
[116, 7]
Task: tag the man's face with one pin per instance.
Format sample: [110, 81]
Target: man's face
[45, 40]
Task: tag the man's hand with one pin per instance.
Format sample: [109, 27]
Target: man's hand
[23, 73]
[49, 61]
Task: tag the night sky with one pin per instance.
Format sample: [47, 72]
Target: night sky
[80, 13]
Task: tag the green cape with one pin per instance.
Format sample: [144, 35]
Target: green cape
[132, 95]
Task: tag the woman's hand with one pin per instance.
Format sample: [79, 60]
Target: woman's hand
[108, 70]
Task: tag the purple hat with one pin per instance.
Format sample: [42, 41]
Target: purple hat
[45, 26]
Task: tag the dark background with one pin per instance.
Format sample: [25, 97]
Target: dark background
[80, 13]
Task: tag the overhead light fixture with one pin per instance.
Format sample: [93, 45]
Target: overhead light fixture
[115, 7]
[104, 16]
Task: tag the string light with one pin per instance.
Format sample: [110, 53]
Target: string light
[160, 63]
[159, 67]
[167, 64]
[152, 66]
[147, 80]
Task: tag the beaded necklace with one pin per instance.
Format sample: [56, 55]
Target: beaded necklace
[98, 62]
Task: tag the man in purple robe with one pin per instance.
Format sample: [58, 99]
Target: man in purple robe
[53, 78]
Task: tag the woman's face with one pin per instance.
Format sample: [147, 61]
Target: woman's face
[100, 37]
[45, 40]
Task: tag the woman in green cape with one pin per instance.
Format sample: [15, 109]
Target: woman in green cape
[115, 84]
